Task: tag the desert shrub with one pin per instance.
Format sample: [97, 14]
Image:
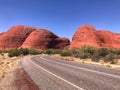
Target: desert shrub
[96, 57]
[84, 55]
[117, 51]
[110, 58]
[41, 51]
[74, 51]
[103, 52]
[1, 51]
[33, 51]
[56, 51]
[23, 51]
[88, 49]
[86, 52]
[65, 53]
[13, 52]
[51, 51]
[77, 55]
[118, 56]
[110, 50]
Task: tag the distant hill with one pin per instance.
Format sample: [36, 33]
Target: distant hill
[88, 35]
[29, 37]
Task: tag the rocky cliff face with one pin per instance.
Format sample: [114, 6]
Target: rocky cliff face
[29, 37]
[44, 39]
[39, 39]
[87, 35]
[109, 39]
[14, 37]
[60, 43]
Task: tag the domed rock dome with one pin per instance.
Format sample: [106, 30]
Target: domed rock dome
[14, 37]
[44, 39]
[85, 35]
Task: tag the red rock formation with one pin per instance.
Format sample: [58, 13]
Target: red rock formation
[60, 43]
[87, 35]
[14, 37]
[109, 39]
[44, 39]
[30, 37]
[2, 33]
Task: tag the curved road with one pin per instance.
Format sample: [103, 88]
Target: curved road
[54, 74]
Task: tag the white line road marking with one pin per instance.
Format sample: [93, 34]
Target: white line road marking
[98, 72]
[57, 76]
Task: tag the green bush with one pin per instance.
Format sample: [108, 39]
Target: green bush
[65, 53]
[23, 51]
[57, 51]
[51, 51]
[74, 51]
[106, 54]
[110, 58]
[103, 52]
[96, 57]
[13, 52]
[117, 51]
[33, 51]
[86, 52]
[88, 49]
[84, 55]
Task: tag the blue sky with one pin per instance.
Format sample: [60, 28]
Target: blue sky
[62, 17]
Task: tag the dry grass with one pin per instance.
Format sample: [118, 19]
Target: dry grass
[88, 61]
[6, 63]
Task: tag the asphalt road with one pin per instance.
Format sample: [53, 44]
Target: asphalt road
[54, 74]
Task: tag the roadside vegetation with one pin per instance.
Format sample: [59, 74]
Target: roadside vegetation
[6, 63]
[85, 54]
[107, 55]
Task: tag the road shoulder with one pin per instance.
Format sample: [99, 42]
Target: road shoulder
[17, 79]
